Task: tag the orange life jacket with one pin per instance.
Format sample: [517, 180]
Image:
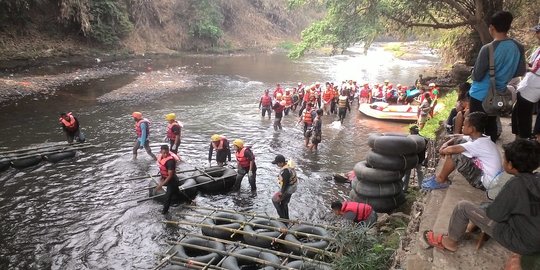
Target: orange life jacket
[288, 100]
[162, 161]
[71, 124]
[328, 95]
[170, 133]
[138, 129]
[307, 117]
[266, 101]
[242, 159]
[361, 210]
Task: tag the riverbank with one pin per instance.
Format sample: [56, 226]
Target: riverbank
[432, 211]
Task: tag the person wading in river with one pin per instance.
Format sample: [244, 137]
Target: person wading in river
[223, 151]
[307, 118]
[343, 106]
[245, 165]
[265, 104]
[356, 212]
[174, 131]
[70, 125]
[317, 131]
[142, 129]
[167, 169]
[278, 108]
[288, 183]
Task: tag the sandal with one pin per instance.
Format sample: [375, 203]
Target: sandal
[431, 184]
[433, 240]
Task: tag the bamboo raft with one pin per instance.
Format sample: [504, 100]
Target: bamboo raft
[195, 218]
[22, 158]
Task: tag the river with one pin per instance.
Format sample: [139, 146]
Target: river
[80, 214]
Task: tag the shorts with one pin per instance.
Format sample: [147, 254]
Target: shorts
[423, 119]
[469, 170]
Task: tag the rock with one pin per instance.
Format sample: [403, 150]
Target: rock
[460, 72]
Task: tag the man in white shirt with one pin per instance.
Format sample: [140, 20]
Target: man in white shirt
[476, 157]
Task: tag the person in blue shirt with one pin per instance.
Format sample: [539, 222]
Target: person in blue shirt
[509, 58]
[142, 129]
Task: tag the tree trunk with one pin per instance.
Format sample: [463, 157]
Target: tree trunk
[483, 31]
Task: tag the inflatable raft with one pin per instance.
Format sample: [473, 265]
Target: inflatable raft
[385, 111]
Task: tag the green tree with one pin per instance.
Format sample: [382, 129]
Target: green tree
[352, 21]
[208, 20]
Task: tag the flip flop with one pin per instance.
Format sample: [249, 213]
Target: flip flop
[434, 240]
[431, 184]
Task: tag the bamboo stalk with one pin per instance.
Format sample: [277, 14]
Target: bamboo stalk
[253, 214]
[195, 263]
[165, 259]
[295, 233]
[38, 148]
[187, 264]
[277, 253]
[281, 241]
[150, 198]
[240, 256]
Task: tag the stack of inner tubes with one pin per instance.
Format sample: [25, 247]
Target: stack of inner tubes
[379, 178]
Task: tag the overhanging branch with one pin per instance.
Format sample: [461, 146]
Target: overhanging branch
[435, 25]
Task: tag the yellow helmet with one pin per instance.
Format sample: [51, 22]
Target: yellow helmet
[170, 116]
[215, 137]
[239, 143]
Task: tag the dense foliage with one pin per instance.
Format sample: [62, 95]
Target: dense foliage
[349, 22]
[207, 20]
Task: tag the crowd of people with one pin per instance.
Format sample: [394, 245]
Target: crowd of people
[511, 216]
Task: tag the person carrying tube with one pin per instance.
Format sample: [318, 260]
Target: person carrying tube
[288, 184]
[142, 129]
[71, 127]
[220, 144]
[245, 165]
[167, 169]
[174, 132]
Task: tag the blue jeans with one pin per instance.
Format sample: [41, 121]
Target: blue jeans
[419, 174]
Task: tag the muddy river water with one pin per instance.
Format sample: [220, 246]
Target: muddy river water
[80, 214]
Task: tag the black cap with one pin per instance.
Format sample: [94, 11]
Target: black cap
[279, 159]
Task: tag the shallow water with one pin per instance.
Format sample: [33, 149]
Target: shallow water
[77, 214]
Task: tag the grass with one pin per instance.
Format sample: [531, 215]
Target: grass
[433, 124]
[365, 251]
[287, 45]
[395, 48]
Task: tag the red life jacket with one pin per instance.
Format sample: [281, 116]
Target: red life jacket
[138, 127]
[266, 101]
[307, 117]
[362, 210]
[288, 100]
[242, 159]
[170, 133]
[221, 144]
[162, 161]
[328, 95]
[307, 95]
[71, 125]
[365, 92]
